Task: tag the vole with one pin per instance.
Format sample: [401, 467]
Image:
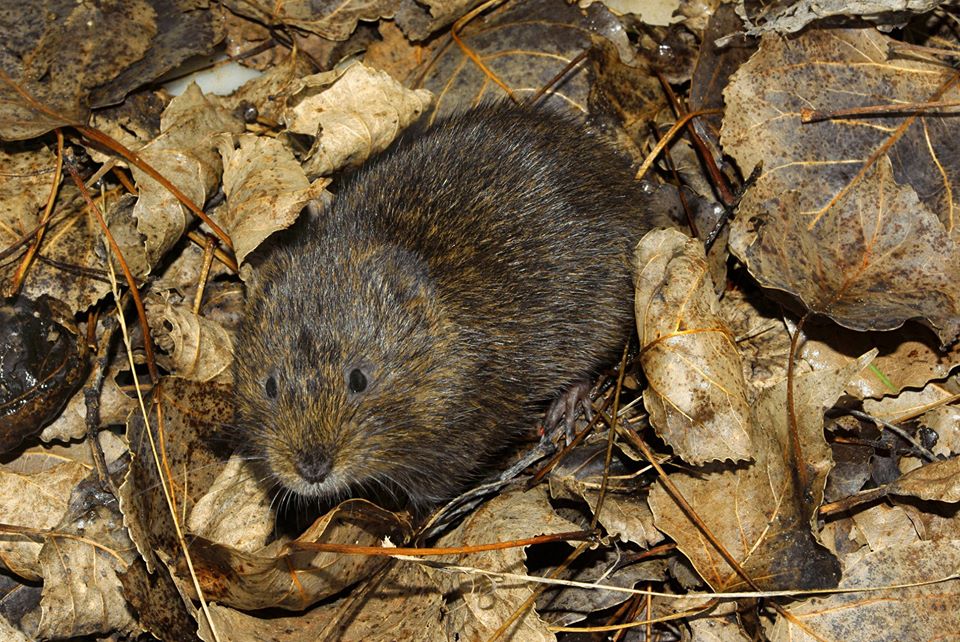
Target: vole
[459, 283]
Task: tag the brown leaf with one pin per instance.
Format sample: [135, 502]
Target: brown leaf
[756, 510]
[420, 18]
[34, 492]
[793, 15]
[27, 177]
[625, 514]
[82, 594]
[908, 358]
[114, 407]
[333, 19]
[185, 153]
[69, 266]
[566, 605]
[938, 481]
[525, 44]
[265, 188]
[161, 609]
[359, 112]
[200, 349]
[182, 31]
[403, 605]
[832, 219]
[236, 511]
[43, 54]
[926, 612]
[696, 396]
[479, 608]
[191, 448]
[283, 576]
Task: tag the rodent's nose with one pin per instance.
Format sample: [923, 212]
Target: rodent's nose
[314, 465]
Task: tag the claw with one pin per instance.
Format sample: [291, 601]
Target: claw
[565, 406]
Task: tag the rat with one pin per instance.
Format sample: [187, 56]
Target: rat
[460, 283]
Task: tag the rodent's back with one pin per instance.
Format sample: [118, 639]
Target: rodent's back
[466, 275]
[527, 221]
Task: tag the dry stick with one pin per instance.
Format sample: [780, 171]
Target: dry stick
[164, 467]
[716, 176]
[204, 275]
[21, 272]
[816, 115]
[350, 549]
[685, 506]
[798, 467]
[900, 432]
[687, 211]
[845, 504]
[469, 53]
[610, 439]
[91, 399]
[115, 145]
[880, 151]
[663, 142]
[537, 592]
[553, 82]
[128, 275]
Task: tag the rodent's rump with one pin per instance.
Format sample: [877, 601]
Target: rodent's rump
[458, 282]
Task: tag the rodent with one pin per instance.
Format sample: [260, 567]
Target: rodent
[459, 282]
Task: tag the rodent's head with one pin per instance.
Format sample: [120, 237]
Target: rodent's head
[343, 374]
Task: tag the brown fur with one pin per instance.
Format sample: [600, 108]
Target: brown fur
[472, 273]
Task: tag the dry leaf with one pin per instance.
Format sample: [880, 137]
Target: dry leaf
[525, 45]
[880, 527]
[40, 54]
[420, 18]
[908, 358]
[625, 514]
[281, 575]
[34, 492]
[831, 219]
[114, 407]
[359, 114]
[161, 608]
[332, 19]
[403, 605]
[480, 606]
[788, 17]
[27, 177]
[938, 481]
[265, 188]
[200, 349]
[191, 448]
[566, 605]
[909, 403]
[756, 510]
[696, 396]
[925, 612]
[82, 594]
[236, 511]
[185, 153]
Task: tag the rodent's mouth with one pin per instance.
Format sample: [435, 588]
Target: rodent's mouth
[334, 485]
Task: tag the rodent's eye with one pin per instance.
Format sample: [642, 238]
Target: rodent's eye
[270, 387]
[357, 381]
